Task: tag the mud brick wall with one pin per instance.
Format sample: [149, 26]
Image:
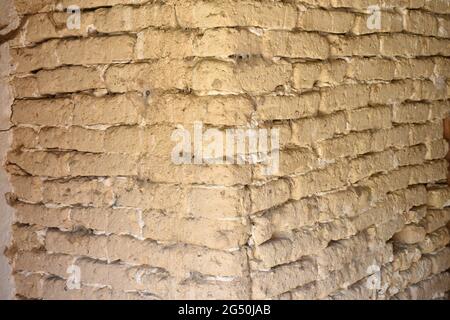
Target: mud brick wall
[359, 208]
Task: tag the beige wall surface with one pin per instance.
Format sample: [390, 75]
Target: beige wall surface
[8, 22]
[115, 114]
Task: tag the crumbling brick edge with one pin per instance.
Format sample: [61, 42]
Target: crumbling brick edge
[9, 14]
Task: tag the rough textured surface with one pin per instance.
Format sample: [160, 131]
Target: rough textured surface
[360, 208]
[8, 22]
